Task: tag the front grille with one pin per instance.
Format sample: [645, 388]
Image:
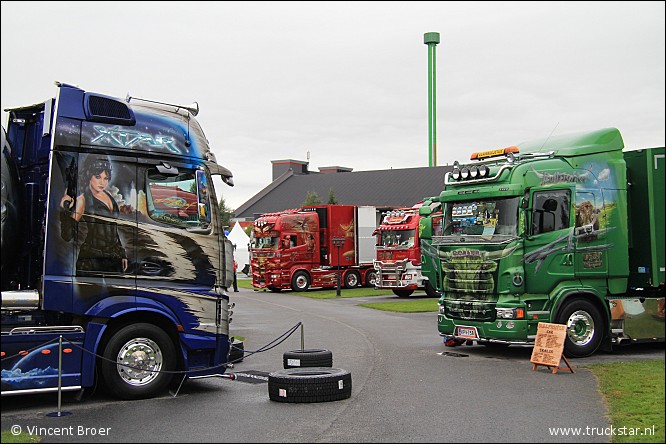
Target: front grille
[469, 285]
[470, 310]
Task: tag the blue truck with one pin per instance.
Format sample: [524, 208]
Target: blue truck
[115, 267]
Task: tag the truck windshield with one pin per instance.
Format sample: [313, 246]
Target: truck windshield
[394, 238]
[489, 219]
[265, 242]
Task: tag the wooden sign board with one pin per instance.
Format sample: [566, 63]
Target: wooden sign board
[548, 347]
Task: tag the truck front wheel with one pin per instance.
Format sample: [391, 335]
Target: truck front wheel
[430, 290]
[585, 328]
[147, 352]
[300, 281]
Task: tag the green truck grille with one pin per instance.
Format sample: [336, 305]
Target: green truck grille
[469, 289]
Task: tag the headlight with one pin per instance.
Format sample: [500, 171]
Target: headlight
[455, 174]
[474, 172]
[464, 173]
[441, 308]
[510, 313]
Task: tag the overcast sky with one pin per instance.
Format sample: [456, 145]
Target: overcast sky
[347, 82]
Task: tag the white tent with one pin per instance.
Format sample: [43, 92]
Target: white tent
[241, 240]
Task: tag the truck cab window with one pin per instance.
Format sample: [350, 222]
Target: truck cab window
[180, 200]
[550, 211]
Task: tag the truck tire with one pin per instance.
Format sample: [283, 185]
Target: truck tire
[236, 351]
[300, 281]
[371, 278]
[585, 328]
[352, 279]
[314, 384]
[150, 352]
[307, 358]
[403, 293]
[430, 290]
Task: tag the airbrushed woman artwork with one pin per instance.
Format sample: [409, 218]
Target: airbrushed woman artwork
[102, 249]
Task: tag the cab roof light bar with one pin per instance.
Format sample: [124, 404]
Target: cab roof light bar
[480, 155]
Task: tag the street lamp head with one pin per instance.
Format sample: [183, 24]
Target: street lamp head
[431, 37]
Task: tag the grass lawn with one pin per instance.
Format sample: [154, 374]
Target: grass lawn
[634, 393]
[320, 293]
[22, 437]
[405, 306]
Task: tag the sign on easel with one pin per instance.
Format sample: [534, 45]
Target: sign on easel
[548, 347]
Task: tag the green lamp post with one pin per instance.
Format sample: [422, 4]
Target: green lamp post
[431, 39]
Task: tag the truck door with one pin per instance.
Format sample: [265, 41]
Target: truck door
[591, 256]
[548, 250]
[92, 230]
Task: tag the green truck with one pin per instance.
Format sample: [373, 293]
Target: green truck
[566, 230]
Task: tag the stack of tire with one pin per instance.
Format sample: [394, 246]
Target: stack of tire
[309, 377]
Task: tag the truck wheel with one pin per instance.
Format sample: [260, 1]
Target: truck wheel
[430, 290]
[148, 351]
[314, 384]
[300, 281]
[371, 278]
[403, 293]
[352, 279]
[307, 358]
[585, 328]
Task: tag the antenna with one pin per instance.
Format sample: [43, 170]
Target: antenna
[547, 138]
[308, 156]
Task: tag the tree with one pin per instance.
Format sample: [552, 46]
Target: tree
[226, 213]
[312, 198]
[331, 197]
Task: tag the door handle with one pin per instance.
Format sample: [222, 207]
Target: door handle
[150, 268]
[567, 260]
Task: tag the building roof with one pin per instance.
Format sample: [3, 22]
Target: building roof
[381, 188]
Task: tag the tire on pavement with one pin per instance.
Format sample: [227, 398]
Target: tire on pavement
[313, 357]
[150, 356]
[236, 351]
[313, 384]
[430, 290]
[300, 281]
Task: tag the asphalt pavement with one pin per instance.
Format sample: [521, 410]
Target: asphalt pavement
[406, 387]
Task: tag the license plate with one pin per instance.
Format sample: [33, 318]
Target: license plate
[467, 332]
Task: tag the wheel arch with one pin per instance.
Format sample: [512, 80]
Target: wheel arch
[565, 297]
[146, 316]
[295, 269]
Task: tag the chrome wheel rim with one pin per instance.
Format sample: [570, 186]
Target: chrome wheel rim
[139, 361]
[580, 328]
[352, 280]
[301, 281]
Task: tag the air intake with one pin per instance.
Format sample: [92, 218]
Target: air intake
[108, 110]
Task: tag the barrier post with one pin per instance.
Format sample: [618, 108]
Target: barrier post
[59, 413]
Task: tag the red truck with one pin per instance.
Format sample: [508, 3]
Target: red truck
[398, 262]
[311, 246]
